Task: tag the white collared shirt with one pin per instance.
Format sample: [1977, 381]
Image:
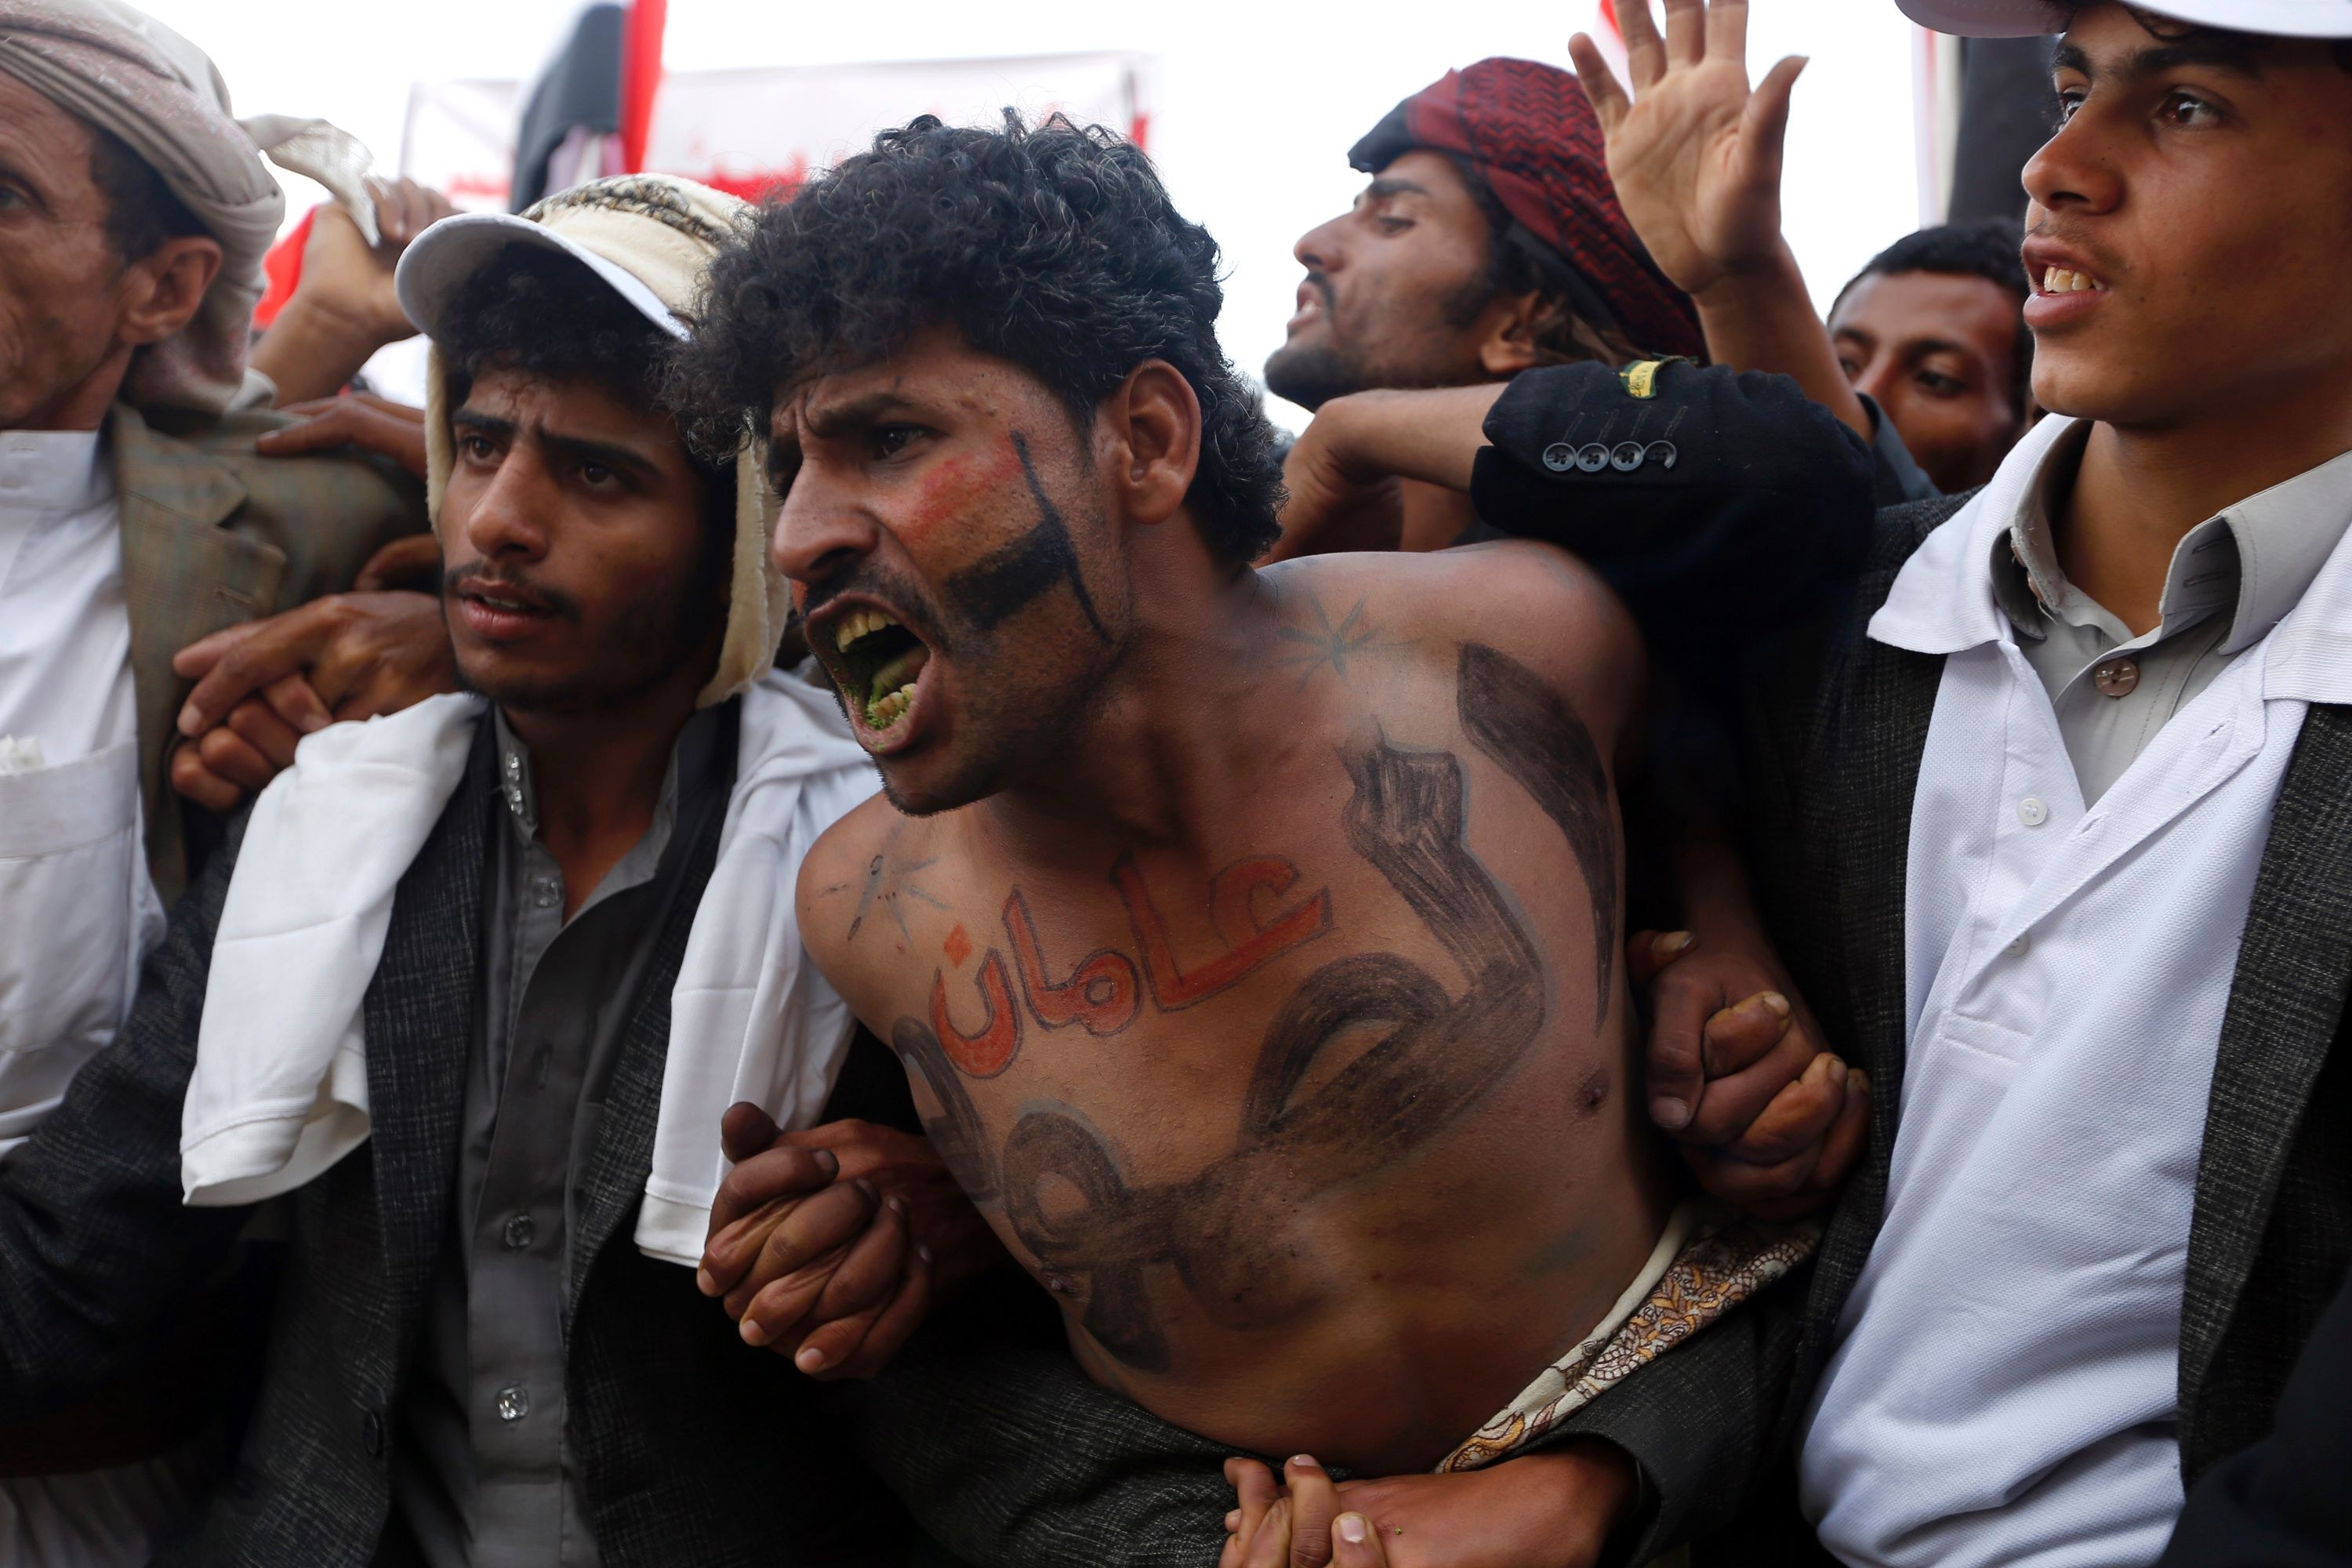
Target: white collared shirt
[78, 911]
[2004, 1385]
[2231, 580]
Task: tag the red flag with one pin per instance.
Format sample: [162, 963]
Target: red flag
[641, 75]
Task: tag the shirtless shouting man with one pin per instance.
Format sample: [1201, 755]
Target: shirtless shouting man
[1252, 939]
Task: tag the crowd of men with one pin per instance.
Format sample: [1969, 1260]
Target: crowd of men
[835, 912]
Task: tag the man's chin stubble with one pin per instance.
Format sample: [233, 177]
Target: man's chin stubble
[1310, 377]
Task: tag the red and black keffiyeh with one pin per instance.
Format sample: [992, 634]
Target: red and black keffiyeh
[1530, 131]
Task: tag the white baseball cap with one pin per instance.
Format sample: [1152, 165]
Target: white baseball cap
[2020, 18]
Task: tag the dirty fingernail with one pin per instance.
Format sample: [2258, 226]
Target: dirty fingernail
[753, 1334]
[828, 1162]
[922, 1252]
[1669, 1112]
[705, 1283]
[1777, 1003]
[1304, 1462]
[1352, 1528]
[1857, 1081]
[1232, 1521]
[895, 1205]
[811, 1358]
[191, 722]
[1674, 942]
[862, 1185]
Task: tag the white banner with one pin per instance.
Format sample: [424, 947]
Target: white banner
[752, 130]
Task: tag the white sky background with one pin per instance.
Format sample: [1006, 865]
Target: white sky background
[1257, 101]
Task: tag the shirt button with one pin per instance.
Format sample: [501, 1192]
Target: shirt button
[514, 1401]
[517, 1233]
[2115, 677]
[2016, 949]
[2032, 812]
[543, 893]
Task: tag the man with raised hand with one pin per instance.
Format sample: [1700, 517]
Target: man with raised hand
[473, 985]
[2052, 819]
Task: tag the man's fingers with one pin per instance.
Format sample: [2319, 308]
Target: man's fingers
[1648, 953]
[1269, 1546]
[1313, 1507]
[1730, 1104]
[233, 757]
[414, 563]
[888, 1331]
[1796, 1119]
[1764, 123]
[1842, 1144]
[281, 646]
[745, 1129]
[1739, 1036]
[1253, 1493]
[847, 1296]
[1356, 1543]
[292, 699]
[1685, 32]
[324, 431]
[194, 661]
[260, 727]
[745, 1205]
[1645, 52]
[1610, 103]
[199, 783]
[814, 1228]
[864, 1282]
[1727, 30]
[1675, 1065]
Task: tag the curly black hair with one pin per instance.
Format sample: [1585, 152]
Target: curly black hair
[543, 315]
[1054, 247]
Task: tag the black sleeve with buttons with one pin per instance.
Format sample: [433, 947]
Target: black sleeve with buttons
[1719, 505]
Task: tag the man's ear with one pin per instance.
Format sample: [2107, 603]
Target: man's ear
[162, 291]
[1509, 343]
[1154, 426]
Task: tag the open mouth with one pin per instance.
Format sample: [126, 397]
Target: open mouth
[500, 611]
[879, 664]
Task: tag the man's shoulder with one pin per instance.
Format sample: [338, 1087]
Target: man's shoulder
[838, 869]
[156, 450]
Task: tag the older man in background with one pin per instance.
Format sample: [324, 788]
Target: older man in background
[134, 517]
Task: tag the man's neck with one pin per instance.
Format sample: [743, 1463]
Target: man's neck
[84, 404]
[598, 778]
[2141, 489]
[1168, 738]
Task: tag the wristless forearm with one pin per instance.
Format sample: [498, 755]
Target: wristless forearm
[1762, 319]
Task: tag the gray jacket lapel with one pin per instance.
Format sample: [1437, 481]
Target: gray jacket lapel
[1879, 736]
[2286, 1003]
[419, 1021]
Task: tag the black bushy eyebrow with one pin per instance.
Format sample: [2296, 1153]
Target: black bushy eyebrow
[2212, 50]
[573, 448]
[1386, 186]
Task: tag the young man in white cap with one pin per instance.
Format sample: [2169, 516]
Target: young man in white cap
[2053, 823]
[454, 990]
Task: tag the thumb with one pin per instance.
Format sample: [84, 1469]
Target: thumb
[745, 1130]
[1356, 1543]
[1764, 123]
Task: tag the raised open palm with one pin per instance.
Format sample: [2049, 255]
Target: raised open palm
[1694, 154]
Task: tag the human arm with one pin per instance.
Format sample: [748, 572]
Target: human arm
[97, 1256]
[261, 686]
[1695, 155]
[344, 309]
[1339, 473]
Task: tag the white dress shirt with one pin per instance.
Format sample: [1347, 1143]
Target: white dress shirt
[78, 911]
[2004, 1387]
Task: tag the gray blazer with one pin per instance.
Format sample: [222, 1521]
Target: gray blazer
[697, 1449]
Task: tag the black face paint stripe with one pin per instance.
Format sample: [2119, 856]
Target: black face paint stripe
[991, 590]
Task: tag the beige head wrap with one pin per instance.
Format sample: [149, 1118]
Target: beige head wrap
[128, 74]
[649, 237]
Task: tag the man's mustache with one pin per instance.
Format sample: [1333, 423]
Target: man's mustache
[479, 577]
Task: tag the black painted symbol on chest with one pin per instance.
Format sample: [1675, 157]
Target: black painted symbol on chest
[1422, 1057]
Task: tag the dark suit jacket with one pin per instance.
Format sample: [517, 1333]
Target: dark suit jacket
[697, 1449]
[2283, 1503]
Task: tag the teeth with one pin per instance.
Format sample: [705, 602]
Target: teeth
[859, 624]
[2059, 280]
[885, 711]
